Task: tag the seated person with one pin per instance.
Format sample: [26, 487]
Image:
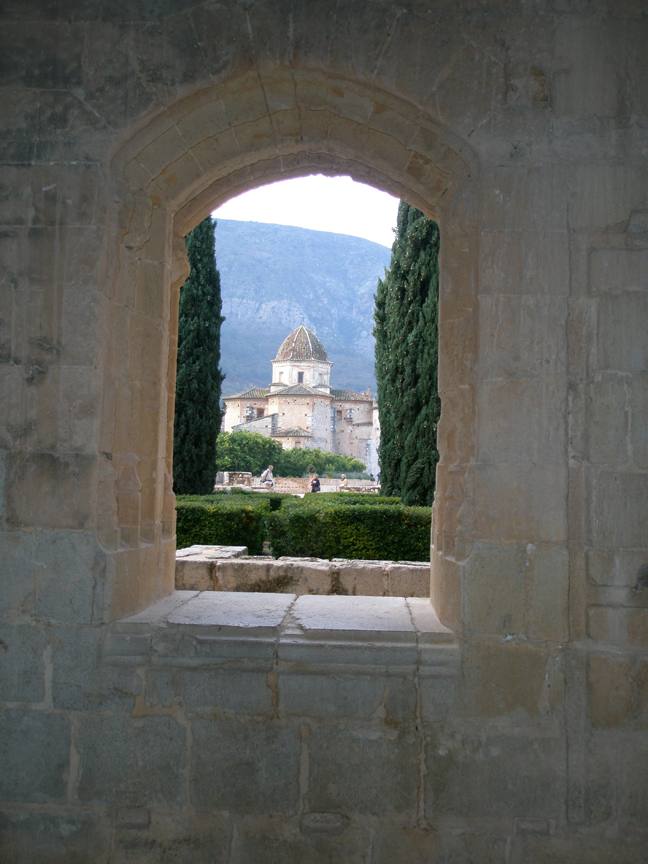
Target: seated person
[267, 478]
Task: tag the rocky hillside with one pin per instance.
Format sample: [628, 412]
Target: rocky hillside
[275, 277]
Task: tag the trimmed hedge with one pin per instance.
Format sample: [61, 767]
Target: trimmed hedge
[226, 523]
[388, 532]
[324, 525]
[322, 499]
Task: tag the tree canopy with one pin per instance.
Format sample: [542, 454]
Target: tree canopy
[198, 382]
[249, 451]
[406, 331]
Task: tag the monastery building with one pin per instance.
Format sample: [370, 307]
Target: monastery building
[301, 409]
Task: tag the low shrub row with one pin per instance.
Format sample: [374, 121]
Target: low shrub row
[385, 531]
[324, 499]
[231, 523]
[331, 525]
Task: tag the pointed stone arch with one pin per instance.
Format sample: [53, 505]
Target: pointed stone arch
[207, 147]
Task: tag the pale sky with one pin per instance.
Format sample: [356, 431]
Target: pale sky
[336, 204]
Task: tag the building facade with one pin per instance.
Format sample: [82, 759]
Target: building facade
[301, 409]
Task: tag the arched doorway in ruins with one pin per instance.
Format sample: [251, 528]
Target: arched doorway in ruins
[200, 151]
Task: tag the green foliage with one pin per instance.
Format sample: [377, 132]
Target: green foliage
[379, 532]
[249, 451]
[357, 499]
[246, 451]
[298, 462]
[198, 383]
[326, 525]
[406, 331]
[226, 522]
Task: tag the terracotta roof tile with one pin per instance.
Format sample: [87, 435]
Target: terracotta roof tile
[299, 390]
[252, 393]
[301, 344]
[350, 396]
[296, 432]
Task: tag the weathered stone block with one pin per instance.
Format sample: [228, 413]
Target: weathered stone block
[173, 838]
[586, 83]
[260, 613]
[392, 699]
[27, 837]
[633, 806]
[48, 491]
[22, 666]
[610, 688]
[624, 626]
[131, 761]
[17, 553]
[13, 427]
[576, 849]
[344, 616]
[548, 593]
[239, 576]
[80, 681]
[508, 192]
[641, 693]
[495, 777]
[446, 590]
[618, 510]
[496, 578]
[517, 501]
[621, 568]
[237, 691]
[438, 696]
[79, 324]
[3, 477]
[365, 578]
[639, 420]
[77, 409]
[70, 574]
[408, 581]
[394, 842]
[603, 195]
[478, 846]
[362, 769]
[511, 678]
[35, 756]
[244, 766]
[616, 270]
[621, 332]
[281, 842]
[195, 575]
[520, 419]
[601, 760]
[534, 268]
[607, 419]
[521, 336]
[517, 589]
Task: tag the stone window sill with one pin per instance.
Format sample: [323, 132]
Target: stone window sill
[194, 628]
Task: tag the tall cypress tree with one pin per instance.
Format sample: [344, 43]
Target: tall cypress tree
[198, 383]
[406, 331]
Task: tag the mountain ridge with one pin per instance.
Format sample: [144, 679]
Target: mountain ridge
[275, 277]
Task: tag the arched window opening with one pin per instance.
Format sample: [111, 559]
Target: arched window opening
[322, 372]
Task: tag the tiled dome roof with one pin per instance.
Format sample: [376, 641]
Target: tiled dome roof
[301, 344]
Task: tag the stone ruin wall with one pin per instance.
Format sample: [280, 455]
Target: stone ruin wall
[522, 128]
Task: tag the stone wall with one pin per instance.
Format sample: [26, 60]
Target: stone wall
[521, 127]
[230, 568]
